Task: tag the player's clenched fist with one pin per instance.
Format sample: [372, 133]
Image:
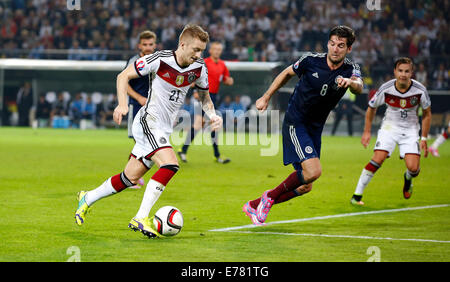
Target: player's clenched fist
[119, 112]
[262, 103]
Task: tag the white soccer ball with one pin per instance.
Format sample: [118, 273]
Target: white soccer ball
[168, 221]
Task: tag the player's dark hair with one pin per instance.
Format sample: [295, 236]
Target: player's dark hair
[343, 31]
[403, 60]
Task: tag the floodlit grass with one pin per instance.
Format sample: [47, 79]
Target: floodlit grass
[42, 170]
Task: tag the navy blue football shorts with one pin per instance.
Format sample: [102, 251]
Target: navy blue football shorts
[300, 142]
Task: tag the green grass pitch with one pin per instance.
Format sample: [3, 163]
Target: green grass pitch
[42, 170]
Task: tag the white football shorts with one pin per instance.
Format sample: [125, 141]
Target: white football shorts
[149, 139]
[407, 141]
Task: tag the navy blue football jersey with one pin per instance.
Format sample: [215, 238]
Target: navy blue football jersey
[316, 93]
[141, 84]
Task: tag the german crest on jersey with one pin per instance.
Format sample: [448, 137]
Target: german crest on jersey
[179, 80]
[191, 77]
[335, 85]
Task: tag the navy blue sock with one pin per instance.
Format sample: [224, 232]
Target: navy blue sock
[215, 146]
[189, 138]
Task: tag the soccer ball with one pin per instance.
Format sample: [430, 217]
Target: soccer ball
[168, 221]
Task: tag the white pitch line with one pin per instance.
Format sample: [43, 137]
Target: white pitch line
[341, 236]
[327, 217]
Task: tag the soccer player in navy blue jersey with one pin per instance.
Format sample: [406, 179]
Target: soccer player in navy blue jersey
[138, 87]
[323, 80]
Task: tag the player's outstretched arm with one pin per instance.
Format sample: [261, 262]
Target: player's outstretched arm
[208, 108]
[370, 114]
[426, 123]
[281, 79]
[122, 87]
[354, 83]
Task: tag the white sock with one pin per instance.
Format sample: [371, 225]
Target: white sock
[364, 180]
[439, 140]
[151, 195]
[100, 192]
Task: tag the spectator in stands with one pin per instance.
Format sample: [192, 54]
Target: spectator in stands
[440, 77]
[59, 114]
[75, 51]
[76, 110]
[89, 110]
[237, 107]
[106, 115]
[416, 28]
[421, 75]
[43, 109]
[225, 110]
[24, 104]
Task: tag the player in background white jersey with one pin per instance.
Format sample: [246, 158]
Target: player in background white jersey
[400, 126]
[173, 72]
[439, 140]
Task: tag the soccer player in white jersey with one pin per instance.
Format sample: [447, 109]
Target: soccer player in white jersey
[438, 142]
[173, 72]
[400, 126]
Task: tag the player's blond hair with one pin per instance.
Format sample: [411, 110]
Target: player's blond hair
[194, 31]
[147, 34]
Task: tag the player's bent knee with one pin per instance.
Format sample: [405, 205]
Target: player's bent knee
[312, 174]
[414, 173]
[304, 189]
[173, 167]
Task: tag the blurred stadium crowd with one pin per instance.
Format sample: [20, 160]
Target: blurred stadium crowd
[251, 30]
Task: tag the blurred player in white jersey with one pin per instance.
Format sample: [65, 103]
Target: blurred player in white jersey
[438, 142]
[400, 126]
[172, 74]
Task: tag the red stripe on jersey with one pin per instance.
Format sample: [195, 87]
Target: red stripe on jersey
[399, 102]
[176, 78]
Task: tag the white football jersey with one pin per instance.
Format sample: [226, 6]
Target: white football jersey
[169, 85]
[402, 108]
